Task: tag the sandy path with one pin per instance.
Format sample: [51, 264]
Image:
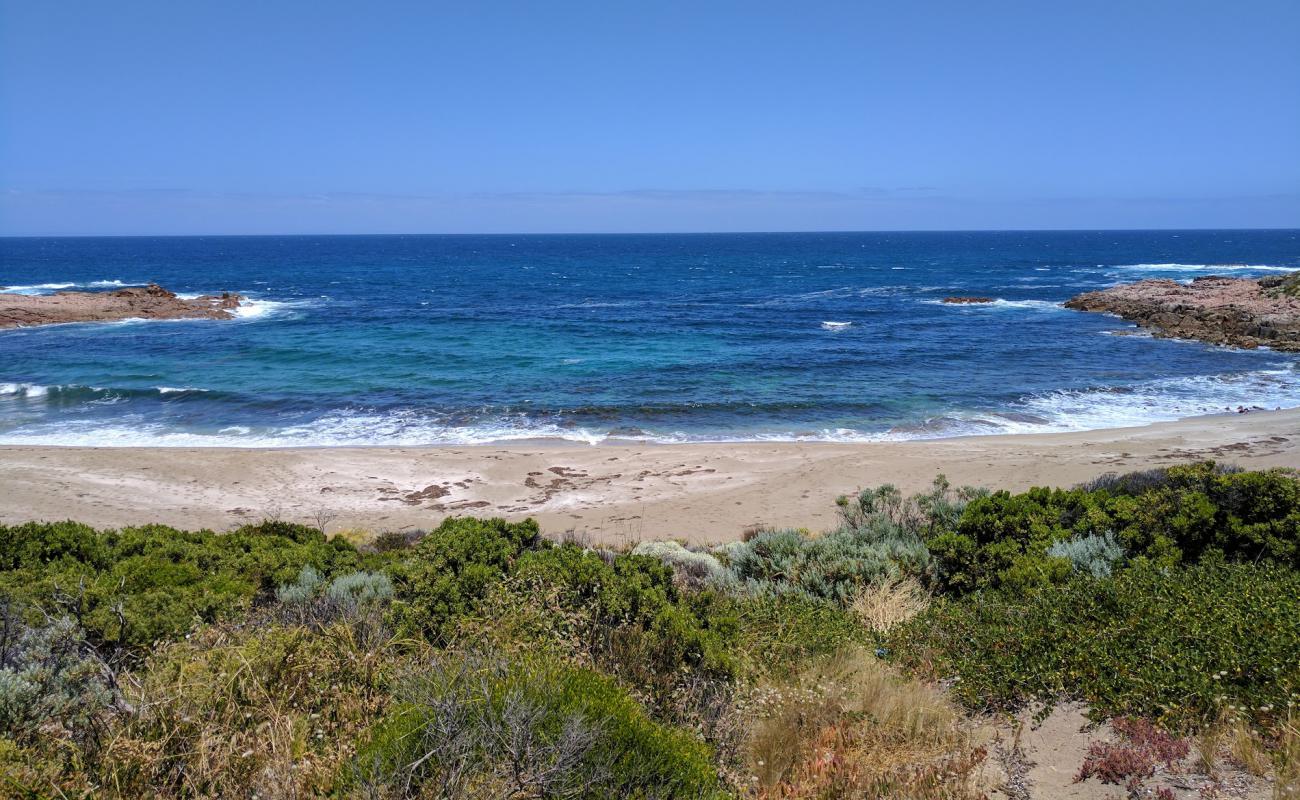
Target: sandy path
[699, 492]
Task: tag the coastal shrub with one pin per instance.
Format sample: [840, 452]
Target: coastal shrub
[1170, 516]
[692, 568]
[778, 634]
[452, 567]
[52, 682]
[1139, 481]
[473, 724]
[253, 710]
[626, 616]
[1175, 645]
[131, 587]
[359, 598]
[1090, 555]
[1246, 516]
[833, 566]
[924, 515]
[303, 590]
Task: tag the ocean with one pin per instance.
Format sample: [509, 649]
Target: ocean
[413, 340]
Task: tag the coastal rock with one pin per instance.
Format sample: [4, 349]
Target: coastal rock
[967, 300]
[1239, 312]
[142, 302]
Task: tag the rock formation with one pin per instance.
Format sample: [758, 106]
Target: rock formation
[144, 302]
[1241, 312]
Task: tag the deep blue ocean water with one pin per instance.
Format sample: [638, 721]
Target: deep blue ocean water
[464, 339]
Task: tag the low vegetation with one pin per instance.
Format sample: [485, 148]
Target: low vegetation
[483, 659]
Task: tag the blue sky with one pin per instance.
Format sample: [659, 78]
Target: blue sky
[345, 117]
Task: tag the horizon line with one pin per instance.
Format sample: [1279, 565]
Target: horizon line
[635, 233]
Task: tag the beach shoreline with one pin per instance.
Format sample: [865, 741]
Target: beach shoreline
[611, 492]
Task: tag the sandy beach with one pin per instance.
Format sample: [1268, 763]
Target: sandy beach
[611, 493]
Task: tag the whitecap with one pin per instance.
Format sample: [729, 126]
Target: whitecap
[24, 389]
[45, 288]
[835, 326]
[1204, 268]
[999, 303]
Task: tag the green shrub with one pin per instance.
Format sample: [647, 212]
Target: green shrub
[778, 633]
[1178, 645]
[134, 586]
[526, 728]
[452, 568]
[625, 615]
[1171, 516]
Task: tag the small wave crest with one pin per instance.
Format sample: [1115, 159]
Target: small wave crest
[1001, 304]
[47, 288]
[1203, 267]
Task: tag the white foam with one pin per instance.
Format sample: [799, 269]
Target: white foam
[1166, 399]
[835, 326]
[1203, 267]
[178, 389]
[255, 308]
[999, 303]
[37, 288]
[24, 389]
[45, 288]
[1065, 410]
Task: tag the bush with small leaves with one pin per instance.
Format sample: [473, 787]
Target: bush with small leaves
[52, 682]
[132, 587]
[1178, 646]
[452, 568]
[472, 724]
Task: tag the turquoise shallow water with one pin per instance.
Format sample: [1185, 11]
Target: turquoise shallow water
[466, 339]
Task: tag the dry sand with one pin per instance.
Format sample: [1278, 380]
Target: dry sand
[610, 493]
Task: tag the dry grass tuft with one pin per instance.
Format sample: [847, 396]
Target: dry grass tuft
[1233, 744]
[357, 537]
[276, 710]
[884, 605]
[1286, 759]
[851, 726]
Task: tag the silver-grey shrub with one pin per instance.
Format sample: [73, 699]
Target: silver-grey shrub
[303, 590]
[357, 590]
[693, 568]
[882, 536]
[51, 680]
[1095, 554]
[832, 567]
[358, 598]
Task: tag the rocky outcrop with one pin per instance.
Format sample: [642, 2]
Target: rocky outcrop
[143, 302]
[1241, 312]
[967, 300]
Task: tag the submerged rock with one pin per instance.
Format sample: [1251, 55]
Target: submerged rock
[967, 300]
[138, 302]
[1239, 312]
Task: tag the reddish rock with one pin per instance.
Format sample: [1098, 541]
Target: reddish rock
[143, 302]
[1240, 312]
